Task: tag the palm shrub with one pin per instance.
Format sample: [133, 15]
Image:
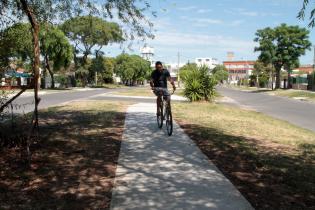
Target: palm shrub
[199, 84]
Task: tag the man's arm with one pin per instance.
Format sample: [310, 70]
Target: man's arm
[172, 82]
[152, 81]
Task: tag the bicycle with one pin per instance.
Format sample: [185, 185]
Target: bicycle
[165, 112]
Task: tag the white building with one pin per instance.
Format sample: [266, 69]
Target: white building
[209, 62]
[147, 53]
[173, 68]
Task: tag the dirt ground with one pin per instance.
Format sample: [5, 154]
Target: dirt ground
[73, 164]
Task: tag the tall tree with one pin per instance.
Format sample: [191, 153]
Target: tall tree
[282, 47]
[90, 32]
[16, 43]
[131, 12]
[261, 73]
[54, 45]
[104, 68]
[56, 50]
[132, 68]
[220, 73]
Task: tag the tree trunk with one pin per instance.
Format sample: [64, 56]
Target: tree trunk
[289, 86]
[43, 84]
[36, 62]
[35, 32]
[51, 73]
[278, 80]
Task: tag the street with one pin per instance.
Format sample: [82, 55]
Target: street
[299, 113]
[25, 104]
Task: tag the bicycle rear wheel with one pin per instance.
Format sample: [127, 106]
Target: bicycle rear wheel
[159, 118]
[169, 122]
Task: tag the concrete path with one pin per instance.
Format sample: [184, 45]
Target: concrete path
[160, 172]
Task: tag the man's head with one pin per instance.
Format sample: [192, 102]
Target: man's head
[159, 65]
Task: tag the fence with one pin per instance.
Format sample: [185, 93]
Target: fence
[303, 81]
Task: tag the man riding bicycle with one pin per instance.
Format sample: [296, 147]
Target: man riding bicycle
[159, 78]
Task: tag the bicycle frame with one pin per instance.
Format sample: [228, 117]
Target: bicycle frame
[165, 111]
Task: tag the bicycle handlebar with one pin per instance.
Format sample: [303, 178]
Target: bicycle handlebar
[161, 89]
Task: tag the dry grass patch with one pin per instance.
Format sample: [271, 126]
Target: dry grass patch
[73, 164]
[137, 92]
[270, 161]
[306, 95]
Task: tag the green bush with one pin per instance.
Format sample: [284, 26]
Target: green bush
[62, 79]
[199, 85]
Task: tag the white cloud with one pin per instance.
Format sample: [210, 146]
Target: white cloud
[187, 8]
[244, 12]
[202, 11]
[202, 21]
[208, 20]
[203, 41]
[236, 23]
[252, 14]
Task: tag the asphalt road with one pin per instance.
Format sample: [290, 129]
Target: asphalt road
[300, 113]
[25, 104]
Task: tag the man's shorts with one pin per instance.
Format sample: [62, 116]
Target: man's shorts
[158, 91]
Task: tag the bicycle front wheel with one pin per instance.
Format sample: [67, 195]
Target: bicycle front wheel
[169, 122]
[159, 118]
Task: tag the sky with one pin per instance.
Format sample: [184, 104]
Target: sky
[211, 28]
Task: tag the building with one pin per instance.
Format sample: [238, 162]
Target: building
[211, 63]
[147, 53]
[239, 70]
[307, 69]
[173, 69]
[230, 56]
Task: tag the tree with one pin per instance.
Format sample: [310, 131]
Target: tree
[220, 73]
[130, 12]
[90, 32]
[132, 69]
[56, 50]
[104, 68]
[301, 14]
[16, 44]
[261, 74]
[282, 47]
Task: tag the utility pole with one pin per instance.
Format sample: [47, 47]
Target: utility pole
[313, 85]
[178, 61]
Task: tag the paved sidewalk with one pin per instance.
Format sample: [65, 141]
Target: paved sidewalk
[160, 172]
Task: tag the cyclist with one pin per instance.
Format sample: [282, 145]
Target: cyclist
[159, 78]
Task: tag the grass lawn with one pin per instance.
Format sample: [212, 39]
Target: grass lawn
[306, 95]
[74, 162]
[270, 161]
[110, 86]
[146, 91]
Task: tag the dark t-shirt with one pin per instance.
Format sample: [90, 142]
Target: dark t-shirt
[160, 78]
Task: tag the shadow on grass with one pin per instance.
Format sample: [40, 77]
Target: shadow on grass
[73, 164]
[262, 91]
[269, 177]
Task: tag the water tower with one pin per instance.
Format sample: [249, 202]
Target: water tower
[230, 56]
[147, 53]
